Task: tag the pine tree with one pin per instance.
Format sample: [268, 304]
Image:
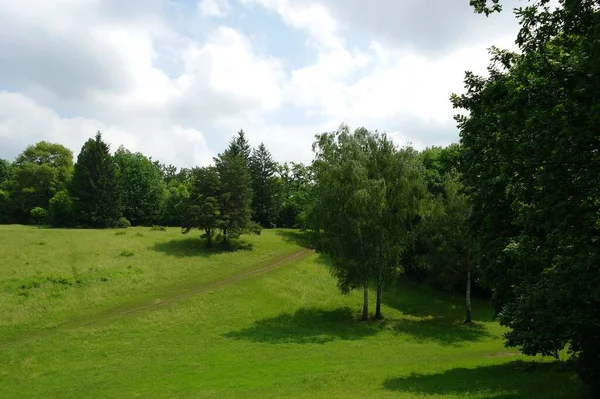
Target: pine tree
[264, 187]
[236, 194]
[96, 187]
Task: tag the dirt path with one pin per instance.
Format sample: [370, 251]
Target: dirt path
[275, 263]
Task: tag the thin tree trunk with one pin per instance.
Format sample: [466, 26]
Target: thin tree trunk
[468, 307]
[378, 315]
[208, 238]
[365, 313]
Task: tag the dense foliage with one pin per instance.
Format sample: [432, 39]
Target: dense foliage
[531, 162]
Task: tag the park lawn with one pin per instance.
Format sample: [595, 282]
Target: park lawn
[287, 332]
[52, 276]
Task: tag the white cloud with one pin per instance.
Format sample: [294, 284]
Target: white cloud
[213, 8]
[76, 67]
[23, 122]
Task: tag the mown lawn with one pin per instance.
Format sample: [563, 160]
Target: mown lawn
[283, 333]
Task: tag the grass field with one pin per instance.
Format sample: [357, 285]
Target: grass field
[151, 314]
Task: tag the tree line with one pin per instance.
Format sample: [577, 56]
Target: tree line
[244, 190]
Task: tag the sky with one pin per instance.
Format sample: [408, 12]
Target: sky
[176, 79]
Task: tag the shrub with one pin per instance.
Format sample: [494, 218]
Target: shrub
[123, 223]
[61, 210]
[120, 233]
[39, 215]
[158, 228]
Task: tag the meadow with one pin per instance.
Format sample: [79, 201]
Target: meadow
[141, 313]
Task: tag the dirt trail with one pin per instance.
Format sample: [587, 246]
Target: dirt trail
[275, 263]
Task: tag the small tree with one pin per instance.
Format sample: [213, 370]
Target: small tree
[203, 210]
[39, 215]
[61, 209]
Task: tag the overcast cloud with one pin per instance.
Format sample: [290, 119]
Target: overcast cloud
[175, 79]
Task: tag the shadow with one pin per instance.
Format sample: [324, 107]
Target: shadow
[420, 300]
[447, 332]
[517, 379]
[308, 326]
[194, 246]
[295, 236]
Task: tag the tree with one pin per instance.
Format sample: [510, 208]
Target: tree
[37, 174]
[39, 215]
[96, 187]
[532, 167]
[449, 256]
[345, 208]
[61, 209]
[235, 196]
[296, 184]
[239, 146]
[203, 211]
[4, 171]
[176, 196]
[143, 187]
[264, 186]
[221, 196]
[367, 196]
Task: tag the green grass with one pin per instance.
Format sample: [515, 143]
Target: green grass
[287, 332]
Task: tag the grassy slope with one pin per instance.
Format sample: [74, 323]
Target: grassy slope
[287, 333]
[50, 276]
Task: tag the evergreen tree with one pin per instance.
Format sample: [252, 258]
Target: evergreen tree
[236, 194]
[96, 187]
[202, 211]
[264, 187]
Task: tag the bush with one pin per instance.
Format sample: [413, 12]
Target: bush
[123, 223]
[158, 228]
[61, 210]
[39, 215]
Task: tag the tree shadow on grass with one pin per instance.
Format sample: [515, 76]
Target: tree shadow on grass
[295, 236]
[307, 326]
[194, 246]
[517, 379]
[446, 332]
[423, 301]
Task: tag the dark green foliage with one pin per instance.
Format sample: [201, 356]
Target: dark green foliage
[203, 209]
[61, 209]
[96, 187]
[221, 195]
[367, 196]
[5, 207]
[176, 196]
[264, 186]
[532, 167]
[4, 171]
[236, 194]
[239, 146]
[123, 223]
[296, 194]
[143, 187]
[39, 215]
[37, 174]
